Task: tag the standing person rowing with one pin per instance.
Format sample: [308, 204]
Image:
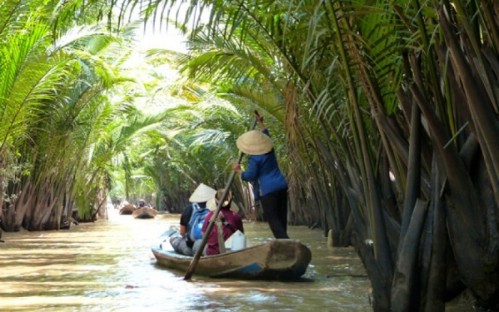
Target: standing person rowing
[263, 171]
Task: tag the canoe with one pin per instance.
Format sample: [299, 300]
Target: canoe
[144, 213]
[279, 259]
[127, 209]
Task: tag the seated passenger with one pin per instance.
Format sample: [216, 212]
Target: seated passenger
[229, 221]
[191, 221]
[142, 203]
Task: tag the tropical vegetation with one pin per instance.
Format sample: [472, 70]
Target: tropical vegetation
[385, 117]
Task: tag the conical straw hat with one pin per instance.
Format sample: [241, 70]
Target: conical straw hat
[202, 194]
[254, 142]
[213, 203]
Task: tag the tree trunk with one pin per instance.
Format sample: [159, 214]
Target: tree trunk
[15, 211]
[405, 283]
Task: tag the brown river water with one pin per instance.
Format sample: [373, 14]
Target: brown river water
[108, 266]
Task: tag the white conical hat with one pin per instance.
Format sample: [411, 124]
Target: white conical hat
[212, 205]
[254, 142]
[202, 194]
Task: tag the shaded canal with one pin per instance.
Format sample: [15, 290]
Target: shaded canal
[108, 266]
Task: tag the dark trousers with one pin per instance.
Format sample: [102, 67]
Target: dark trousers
[275, 211]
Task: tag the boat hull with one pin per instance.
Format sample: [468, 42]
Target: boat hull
[127, 209]
[144, 213]
[281, 259]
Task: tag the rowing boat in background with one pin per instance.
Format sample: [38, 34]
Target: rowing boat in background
[144, 213]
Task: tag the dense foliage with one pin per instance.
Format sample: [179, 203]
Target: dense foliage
[390, 111]
[62, 122]
[385, 114]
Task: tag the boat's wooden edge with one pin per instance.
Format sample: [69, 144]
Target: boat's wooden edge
[271, 243]
[264, 261]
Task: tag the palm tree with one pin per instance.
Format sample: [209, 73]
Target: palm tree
[28, 78]
[52, 114]
[61, 132]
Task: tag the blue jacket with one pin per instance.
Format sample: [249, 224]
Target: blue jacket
[263, 171]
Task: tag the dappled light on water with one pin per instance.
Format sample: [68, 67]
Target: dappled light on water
[108, 266]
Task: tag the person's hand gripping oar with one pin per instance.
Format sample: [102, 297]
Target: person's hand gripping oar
[199, 251]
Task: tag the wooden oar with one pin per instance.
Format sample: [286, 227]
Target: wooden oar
[199, 251]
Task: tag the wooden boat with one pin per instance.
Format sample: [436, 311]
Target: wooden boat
[144, 213]
[280, 259]
[127, 209]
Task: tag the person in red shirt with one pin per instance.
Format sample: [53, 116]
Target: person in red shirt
[229, 221]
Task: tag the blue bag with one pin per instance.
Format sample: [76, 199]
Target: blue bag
[196, 222]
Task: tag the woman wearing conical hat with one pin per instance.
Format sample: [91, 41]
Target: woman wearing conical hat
[263, 171]
[190, 227]
[228, 222]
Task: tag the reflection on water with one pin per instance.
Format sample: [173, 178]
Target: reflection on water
[108, 266]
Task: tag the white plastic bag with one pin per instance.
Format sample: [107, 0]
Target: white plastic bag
[236, 241]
